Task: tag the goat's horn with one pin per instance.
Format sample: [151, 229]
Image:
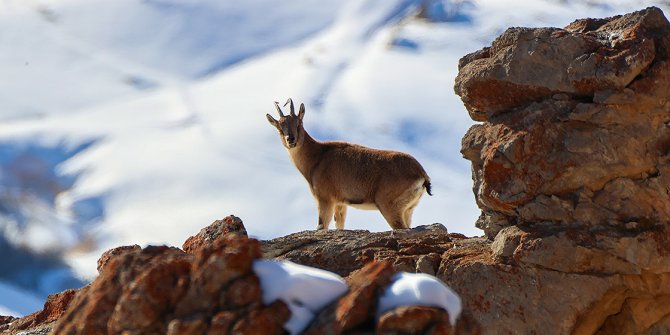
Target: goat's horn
[290, 101]
[278, 109]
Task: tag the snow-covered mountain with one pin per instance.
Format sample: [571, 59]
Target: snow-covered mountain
[141, 121]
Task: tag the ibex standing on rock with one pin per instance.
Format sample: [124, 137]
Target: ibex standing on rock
[341, 174]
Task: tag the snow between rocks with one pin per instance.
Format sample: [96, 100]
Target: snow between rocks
[306, 290]
[411, 289]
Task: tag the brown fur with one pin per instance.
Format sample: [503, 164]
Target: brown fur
[341, 174]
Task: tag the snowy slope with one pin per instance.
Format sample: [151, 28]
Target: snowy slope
[133, 121]
[71, 54]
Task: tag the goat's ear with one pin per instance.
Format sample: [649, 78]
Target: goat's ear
[272, 121]
[301, 112]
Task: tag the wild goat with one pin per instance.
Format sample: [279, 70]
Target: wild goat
[341, 174]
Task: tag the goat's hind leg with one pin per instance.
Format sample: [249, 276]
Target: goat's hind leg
[407, 216]
[410, 199]
[393, 215]
[407, 213]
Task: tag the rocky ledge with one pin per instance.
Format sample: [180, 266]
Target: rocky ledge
[571, 168]
[210, 287]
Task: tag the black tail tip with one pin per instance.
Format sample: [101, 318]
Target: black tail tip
[428, 188]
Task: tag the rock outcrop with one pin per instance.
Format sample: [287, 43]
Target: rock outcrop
[39, 322]
[576, 131]
[571, 168]
[343, 251]
[211, 289]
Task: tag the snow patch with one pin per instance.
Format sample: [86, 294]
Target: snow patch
[305, 290]
[420, 289]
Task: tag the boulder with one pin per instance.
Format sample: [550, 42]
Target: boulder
[356, 309]
[571, 167]
[414, 320]
[593, 147]
[586, 58]
[164, 290]
[343, 251]
[228, 225]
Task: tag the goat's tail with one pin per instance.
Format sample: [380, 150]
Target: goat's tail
[426, 184]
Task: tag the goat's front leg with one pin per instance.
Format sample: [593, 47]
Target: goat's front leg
[326, 209]
[340, 215]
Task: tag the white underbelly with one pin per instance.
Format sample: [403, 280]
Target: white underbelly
[368, 207]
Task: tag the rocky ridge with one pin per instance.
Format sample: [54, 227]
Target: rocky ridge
[571, 167]
[209, 288]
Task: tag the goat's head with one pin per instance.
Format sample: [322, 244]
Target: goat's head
[289, 126]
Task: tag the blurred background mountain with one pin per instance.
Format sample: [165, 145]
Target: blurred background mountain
[141, 121]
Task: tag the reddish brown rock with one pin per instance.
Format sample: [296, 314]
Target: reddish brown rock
[573, 158]
[356, 309]
[605, 252]
[572, 181]
[219, 228]
[91, 309]
[162, 290]
[107, 255]
[195, 326]
[366, 285]
[152, 295]
[568, 279]
[409, 320]
[241, 292]
[54, 308]
[344, 251]
[267, 320]
[213, 269]
[525, 65]
[222, 322]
